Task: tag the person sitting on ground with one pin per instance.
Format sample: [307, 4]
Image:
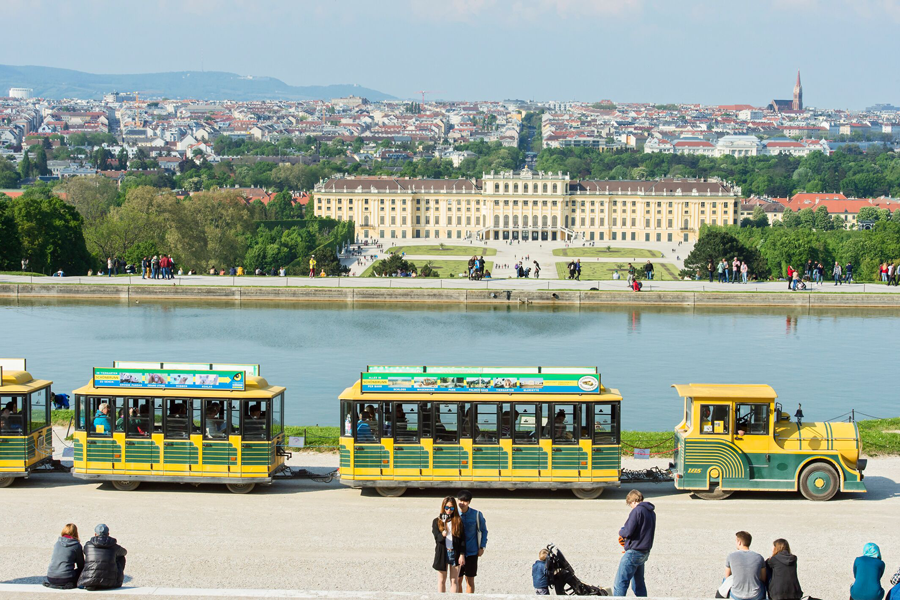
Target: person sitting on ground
[636, 285]
[104, 562]
[67, 560]
[616, 275]
[540, 577]
[894, 592]
[747, 569]
[212, 271]
[868, 570]
[781, 573]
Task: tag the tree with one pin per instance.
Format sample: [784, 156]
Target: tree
[40, 161]
[391, 265]
[822, 220]
[139, 221]
[122, 157]
[25, 165]
[759, 218]
[50, 231]
[715, 244]
[93, 196]
[209, 229]
[872, 213]
[9, 177]
[101, 159]
[790, 219]
[10, 244]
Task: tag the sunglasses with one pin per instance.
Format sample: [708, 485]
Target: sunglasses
[449, 508]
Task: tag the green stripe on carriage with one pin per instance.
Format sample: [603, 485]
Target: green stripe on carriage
[533, 457]
[142, 452]
[448, 457]
[606, 458]
[370, 457]
[345, 458]
[490, 458]
[568, 458]
[180, 453]
[410, 457]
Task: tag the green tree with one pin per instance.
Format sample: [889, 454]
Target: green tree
[51, 232]
[872, 213]
[209, 229]
[40, 162]
[9, 177]
[93, 196]
[122, 157]
[391, 265]
[715, 244]
[790, 219]
[823, 221]
[10, 243]
[25, 167]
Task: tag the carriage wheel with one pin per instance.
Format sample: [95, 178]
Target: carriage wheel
[587, 493]
[240, 488]
[819, 481]
[126, 485]
[714, 493]
[6, 481]
[391, 492]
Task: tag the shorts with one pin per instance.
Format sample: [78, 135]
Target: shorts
[452, 559]
[470, 569]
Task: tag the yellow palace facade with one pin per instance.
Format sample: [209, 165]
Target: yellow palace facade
[528, 205]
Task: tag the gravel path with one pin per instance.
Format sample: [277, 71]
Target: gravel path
[305, 535]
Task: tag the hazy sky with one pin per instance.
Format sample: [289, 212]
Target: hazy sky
[708, 51]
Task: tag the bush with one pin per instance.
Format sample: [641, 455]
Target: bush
[392, 265]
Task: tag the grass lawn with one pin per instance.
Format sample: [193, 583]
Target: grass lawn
[21, 273]
[603, 271]
[437, 250]
[446, 268]
[601, 252]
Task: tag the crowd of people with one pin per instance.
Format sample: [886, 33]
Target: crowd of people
[475, 268]
[98, 565]
[729, 272]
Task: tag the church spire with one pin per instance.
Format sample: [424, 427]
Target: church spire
[797, 104]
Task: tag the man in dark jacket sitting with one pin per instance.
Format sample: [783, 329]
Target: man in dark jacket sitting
[104, 562]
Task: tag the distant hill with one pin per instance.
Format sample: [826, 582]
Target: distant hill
[48, 82]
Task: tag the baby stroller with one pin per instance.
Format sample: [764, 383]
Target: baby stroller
[563, 579]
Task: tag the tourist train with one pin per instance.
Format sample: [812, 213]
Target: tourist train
[420, 427]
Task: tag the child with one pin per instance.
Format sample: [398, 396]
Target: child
[540, 577]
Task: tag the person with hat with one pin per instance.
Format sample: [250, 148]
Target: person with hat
[104, 562]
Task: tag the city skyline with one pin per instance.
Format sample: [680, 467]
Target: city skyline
[632, 51]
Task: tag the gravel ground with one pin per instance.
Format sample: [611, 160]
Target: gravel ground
[312, 536]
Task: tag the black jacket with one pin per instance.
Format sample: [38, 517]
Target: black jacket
[782, 577]
[440, 547]
[104, 564]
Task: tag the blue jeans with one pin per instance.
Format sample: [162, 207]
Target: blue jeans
[631, 569]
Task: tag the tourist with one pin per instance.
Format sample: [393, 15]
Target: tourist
[890, 273]
[476, 534]
[894, 592]
[154, 267]
[578, 270]
[796, 280]
[632, 274]
[540, 577]
[728, 273]
[744, 271]
[312, 265]
[781, 571]
[24, 264]
[638, 533]
[449, 545]
[790, 276]
[882, 269]
[537, 270]
[747, 570]
[848, 272]
[636, 285]
[67, 560]
[648, 271]
[709, 269]
[821, 272]
[616, 275]
[868, 570]
[109, 266]
[104, 562]
[144, 263]
[102, 420]
[837, 273]
[720, 268]
[735, 269]
[808, 270]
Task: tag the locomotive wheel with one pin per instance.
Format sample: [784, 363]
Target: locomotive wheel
[391, 492]
[6, 481]
[126, 485]
[240, 488]
[587, 493]
[819, 482]
[714, 493]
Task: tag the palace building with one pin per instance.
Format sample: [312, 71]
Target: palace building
[528, 205]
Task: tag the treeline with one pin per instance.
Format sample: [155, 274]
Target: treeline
[770, 250]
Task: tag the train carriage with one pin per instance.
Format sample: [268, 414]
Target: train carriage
[25, 433]
[480, 427]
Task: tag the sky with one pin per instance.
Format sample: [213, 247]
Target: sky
[703, 51]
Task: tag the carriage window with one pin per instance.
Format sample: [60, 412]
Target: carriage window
[178, 423]
[80, 411]
[485, 423]
[277, 412]
[255, 419]
[751, 419]
[158, 411]
[117, 408]
[714, 418]
[525, 428]
[406, 422]
[387, 409]
[11, 417]
[506, 420]
[564, 424]
[606, 430]
[346, 419]
[584, 411]
[139, 417]
[216, 424]
[446, 426]
[100, 416]
[468, 419]
[234, 416]
[425, 411]
[39, 410]
[366, 423]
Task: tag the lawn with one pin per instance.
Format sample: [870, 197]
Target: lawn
[611, 253]
[603, 271]
[443, 250]
[21, 273]
[446, 268]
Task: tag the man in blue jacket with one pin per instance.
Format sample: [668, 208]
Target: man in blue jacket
[475, 528]
[638, 535]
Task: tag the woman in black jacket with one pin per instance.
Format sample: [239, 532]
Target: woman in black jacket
[782, 573]
[449, 545]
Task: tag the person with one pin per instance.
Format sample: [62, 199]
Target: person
[578, 270]
[102, 420]
[154, 267]
[894, 593]
[709, 268]
[837, 273]
[104, 562]
[215, 424]
[790, 276]
[735, 269]
[67, 560]
[476, 534]
[868, 570]
[540, 577]
[744, 270]
[364, 432]
[721, 270]
[848, 272]
[636, 285]
[312, 265]
[537, 270]
[747, 570]
[796, 280]
[615, 274]
[638, 533]
[109, 266]
[144, 262]
[648, 271]
[781, 573]
[449, 545]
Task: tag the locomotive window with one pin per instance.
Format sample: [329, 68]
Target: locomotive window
[40, 415]
[525, 428]
[446, 426]
[406, 422]
[714, 419]
[277, 414]
[366, 423]
[751, 419]
[506, 419]
[11, 418]
[606, 427]
[486, 424]
[255, 416]
[346, 419]
[564, 424]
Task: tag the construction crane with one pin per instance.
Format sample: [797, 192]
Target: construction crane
[423, 92]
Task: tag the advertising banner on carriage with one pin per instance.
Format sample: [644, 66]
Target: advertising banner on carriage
[169, 379]
[484, 382]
